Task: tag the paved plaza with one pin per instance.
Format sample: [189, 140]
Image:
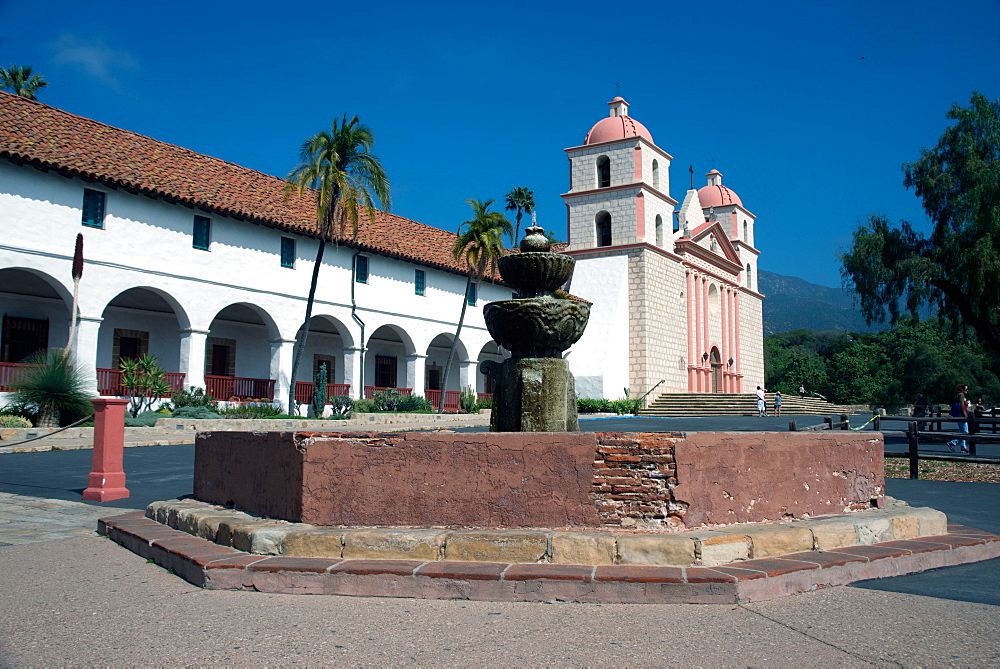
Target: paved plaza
[71, 597]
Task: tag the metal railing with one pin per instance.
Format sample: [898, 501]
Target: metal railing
[452, 399]
[304, 390]
[10, 373]
[109, 383]
[371, 390]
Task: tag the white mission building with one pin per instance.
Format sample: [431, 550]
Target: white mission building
[205, 265]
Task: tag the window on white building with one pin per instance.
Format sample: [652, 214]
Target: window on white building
[749, 278]
[419, 282]
[659, 230]
[361, 269]
[93, 208]
[603, 228]
[385, 371]
[287, 252]
[603, 172]
[22, 337]
[656, 175]
[470, 295]
[746, 238]
[201, 237]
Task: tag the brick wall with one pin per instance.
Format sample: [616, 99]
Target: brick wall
[634, 476]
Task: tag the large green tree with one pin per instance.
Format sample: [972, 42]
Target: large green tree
[20, 80]
[957, 267]
[345, 178]
[522, 201]
[480, 244]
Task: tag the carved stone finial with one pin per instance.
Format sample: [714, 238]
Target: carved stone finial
[535, 241]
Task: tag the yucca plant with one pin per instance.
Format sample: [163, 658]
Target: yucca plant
[54, 385]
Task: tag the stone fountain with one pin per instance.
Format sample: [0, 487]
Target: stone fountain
[534, 389]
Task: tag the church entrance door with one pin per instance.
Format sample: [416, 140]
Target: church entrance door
[716, 369]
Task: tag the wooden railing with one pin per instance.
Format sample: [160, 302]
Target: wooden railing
[452, 399]
[109, 383]
[11, 372]
[304, 390]
[241, 388]
[484, 396]
[371, 390]
[915, 434]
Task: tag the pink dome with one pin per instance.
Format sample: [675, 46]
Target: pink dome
[610, 128]
[715, 194]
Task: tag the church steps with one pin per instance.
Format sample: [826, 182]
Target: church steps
[728, 404]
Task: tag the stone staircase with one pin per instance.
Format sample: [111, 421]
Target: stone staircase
[720, 404]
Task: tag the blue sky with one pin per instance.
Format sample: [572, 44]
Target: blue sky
[808, 109]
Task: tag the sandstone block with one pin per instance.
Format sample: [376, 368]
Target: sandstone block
[395, 544]
[314, 543]
[8, 433]
[497, 546]
[931, 521]
[777, 540]
[227, 528]
[905, 525]
[832, 533]
[715, 548]
[261, 537]
[676, 550]
[208, 524]
[873, 527]
[583, 548]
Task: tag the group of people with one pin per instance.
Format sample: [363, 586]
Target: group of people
[762, 403]
[961, 407]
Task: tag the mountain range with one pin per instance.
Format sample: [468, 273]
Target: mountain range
[791, 303]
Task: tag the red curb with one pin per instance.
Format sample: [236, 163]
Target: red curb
[824, 560]
[707, 575]
[872, 552]
[639, 574]
[368, 567]
[308, 564]
[473, 571]
[555, 572]
[209, 565]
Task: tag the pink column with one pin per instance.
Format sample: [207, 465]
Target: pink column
[706, 376]
[696, 359]
[723, 338]
[736, 322]
[690, 328]
[107, 477]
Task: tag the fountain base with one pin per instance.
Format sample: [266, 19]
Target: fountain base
[532, 395]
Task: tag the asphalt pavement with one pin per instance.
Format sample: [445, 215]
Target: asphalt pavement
[70, 598]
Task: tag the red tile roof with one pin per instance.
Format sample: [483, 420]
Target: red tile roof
[54, 139]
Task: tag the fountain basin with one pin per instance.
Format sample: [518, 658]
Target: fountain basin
[534, 274]
[539, 327]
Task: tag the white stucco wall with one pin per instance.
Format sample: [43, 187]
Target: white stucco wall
[600, 360]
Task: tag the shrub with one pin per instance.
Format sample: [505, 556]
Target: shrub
[195, 412]
[387, 400]
[145, 419]
[467, 400]
[593, 405]
[14, 421]
[485, 403]
[319, 391]
[415, 403]
[250, 410]
[341, 405]
[193, 397]
[17, 408]
[55, 386]
[364, 406]
[627, 405]
[144, 381]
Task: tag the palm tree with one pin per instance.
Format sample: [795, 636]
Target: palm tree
[19, 80]
[480, 243]
[340, 168]
[521, 200]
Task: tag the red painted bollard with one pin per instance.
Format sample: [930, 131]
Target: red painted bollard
[107, 477]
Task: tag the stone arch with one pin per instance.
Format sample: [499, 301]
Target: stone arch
[35, 310]
[329, 339]
[386, 355]
[490, 351]
[656, 174]
[659, 230]
[138, 321]
[238, 352]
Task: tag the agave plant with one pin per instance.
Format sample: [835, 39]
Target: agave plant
[54, 385]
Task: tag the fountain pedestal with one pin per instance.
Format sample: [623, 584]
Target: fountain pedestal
[534, 390]
[533, 395]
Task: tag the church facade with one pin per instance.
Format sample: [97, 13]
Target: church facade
[676, 306]
[205, 264]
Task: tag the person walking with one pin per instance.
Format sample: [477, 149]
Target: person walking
[777, 403]
[802, 391]
[761, 402]
[960, 409]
